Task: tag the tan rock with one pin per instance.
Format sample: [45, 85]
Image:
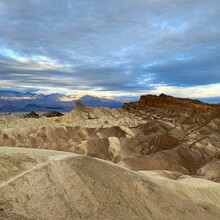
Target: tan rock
[51, 185]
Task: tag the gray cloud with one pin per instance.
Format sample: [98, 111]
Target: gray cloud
[126, 45]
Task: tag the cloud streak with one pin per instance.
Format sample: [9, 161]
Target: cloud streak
[111, 47]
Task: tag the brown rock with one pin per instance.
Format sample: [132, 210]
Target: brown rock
[31, 115]
[52, 114]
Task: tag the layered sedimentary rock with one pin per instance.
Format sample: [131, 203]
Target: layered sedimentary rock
[155, 133]
[196, 127]
[52, 185]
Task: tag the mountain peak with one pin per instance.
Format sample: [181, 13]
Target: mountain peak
[24, 102]
[162, 95]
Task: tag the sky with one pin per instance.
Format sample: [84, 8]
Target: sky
[118, 48]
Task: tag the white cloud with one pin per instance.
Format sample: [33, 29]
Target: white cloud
[204, 91]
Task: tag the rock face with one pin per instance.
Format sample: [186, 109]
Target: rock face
[195, 124]
[52, 185]
[31, 115]
[157, 133]
[52, 114]
[171, 105]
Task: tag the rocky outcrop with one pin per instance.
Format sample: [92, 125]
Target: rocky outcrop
[31, 115]
[52, 114]
[52, 185]
[171, 105]
[211, 170]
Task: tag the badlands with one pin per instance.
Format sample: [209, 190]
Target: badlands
[158, 158]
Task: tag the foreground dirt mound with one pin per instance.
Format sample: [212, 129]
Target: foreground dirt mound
[40, 184]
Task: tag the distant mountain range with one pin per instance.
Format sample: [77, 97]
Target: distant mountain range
[11, 101]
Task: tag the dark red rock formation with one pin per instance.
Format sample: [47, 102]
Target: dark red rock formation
[171, 105]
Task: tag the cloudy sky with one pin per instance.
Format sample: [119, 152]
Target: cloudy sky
[118, 48]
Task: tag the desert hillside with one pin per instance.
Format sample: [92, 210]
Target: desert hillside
[43, 184]
[155, 133]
